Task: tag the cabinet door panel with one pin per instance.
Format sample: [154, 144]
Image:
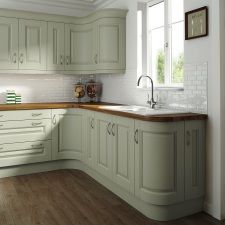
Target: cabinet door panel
[104, 145]
[80, 43]
[90, 139]
[111, 44]
[55, 58]
[159, 162]
[123, 152]
[8, 43]
[32, 44]
[194, 159]
[68, 134]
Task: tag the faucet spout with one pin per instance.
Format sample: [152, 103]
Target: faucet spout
[152, 102]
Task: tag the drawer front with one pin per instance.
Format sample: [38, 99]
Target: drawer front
[25, 115]
[27, 130]
[25, 153]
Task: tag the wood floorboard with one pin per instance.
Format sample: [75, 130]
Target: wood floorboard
[70, 197]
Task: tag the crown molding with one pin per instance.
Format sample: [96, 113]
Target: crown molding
[61, 7]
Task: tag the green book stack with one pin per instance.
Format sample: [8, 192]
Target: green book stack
[10, 97]
[18, 98]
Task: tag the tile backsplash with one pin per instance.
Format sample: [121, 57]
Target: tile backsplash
[116, 88]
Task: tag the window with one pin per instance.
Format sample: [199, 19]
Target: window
[164, 57]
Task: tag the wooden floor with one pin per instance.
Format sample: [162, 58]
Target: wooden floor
[69, 197]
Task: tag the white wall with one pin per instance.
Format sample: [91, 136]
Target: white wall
[196, 51]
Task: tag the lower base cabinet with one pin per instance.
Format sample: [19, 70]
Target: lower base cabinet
[159, 162]
[67, 134]
[25, 153]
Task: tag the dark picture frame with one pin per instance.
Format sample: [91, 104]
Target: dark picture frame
[196, 23]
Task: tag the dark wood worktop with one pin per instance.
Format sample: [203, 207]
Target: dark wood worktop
[98, 107]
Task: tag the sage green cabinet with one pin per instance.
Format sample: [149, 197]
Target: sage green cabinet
[104, 144]
[32, 44]
[123, 152]
[8, 43]
[111, 44]
[194, 159]
[90, 133]
[56, 46]
[67, 134]
[80, 47]
[159, 162]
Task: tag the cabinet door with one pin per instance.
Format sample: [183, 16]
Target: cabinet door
[8, 43]
[194, 159]
[67, 134]
[123, 152]
[90, 139]
[32, 44]
[159, 162]
[79, 46]
[104, 144]
[55, 56]
[111, 44]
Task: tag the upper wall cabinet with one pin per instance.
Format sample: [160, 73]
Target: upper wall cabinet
[80, 47]
[8, 43]
[90, 45]
[111, 43]
[56, 51]
[32, 44]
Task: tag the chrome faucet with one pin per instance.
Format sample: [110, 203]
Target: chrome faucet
[151, 102]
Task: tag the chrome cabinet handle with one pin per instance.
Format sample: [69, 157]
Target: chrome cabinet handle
[67, 60]
[36, 124]
[21, 58]
[61, 60]
[37, 146]
[92, 123]
[188, 138]
[96, 58]
[136, 136]
[54, 120]
[108, 128]
[113, 130]
[36, 114]
[14, 58]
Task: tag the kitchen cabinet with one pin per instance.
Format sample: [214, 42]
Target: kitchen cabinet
[159, 162]
[80, 47]
[194, 159]
[56, 46]
[8, 43]
[123, 152]
[103, 144]
[67, 134]
[32, 44]
[111, 44]
[90, 134]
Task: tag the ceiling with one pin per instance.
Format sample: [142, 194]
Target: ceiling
[62, 7]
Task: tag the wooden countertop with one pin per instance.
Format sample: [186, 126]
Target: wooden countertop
[98, 107]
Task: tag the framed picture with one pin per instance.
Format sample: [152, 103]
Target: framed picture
[196, 23]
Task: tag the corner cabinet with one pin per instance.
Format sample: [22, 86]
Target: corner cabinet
[67, 134]
[159, 162]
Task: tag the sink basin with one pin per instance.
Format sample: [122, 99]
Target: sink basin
[141, 110]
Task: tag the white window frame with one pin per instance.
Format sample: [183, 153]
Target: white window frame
[168, 44]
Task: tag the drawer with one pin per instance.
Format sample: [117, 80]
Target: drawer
[25, 114]
[24, 153]
[27, 130]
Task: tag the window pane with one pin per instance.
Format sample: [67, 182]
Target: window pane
[139, 42]
[157, 55]
[177, 8]
[177, 53]
[156, 15]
